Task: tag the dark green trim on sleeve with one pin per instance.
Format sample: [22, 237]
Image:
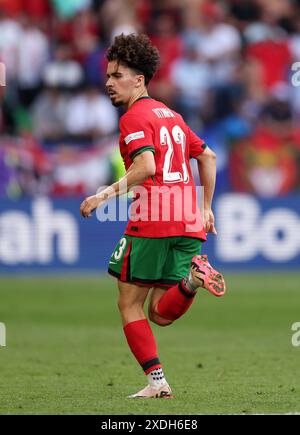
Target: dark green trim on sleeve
[153, 179]
[141, 150]
[203, 147]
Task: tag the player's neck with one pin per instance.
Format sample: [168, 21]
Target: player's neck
[136, 97]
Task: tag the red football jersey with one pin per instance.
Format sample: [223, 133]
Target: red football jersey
[166, 204]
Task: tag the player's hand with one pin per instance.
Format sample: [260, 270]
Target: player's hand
[89, 205]
[209, 222]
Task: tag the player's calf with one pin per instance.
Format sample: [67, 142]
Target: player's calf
[177, 300]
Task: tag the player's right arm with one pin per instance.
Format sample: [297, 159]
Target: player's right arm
[139, 141]
[142, 168]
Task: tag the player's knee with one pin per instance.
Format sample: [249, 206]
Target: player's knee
[120, 305]
[129, 309]
[160, 321]
[123, 305]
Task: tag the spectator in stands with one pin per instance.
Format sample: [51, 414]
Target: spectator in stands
[116, 17]
[90, 115]
[48, 115]
[10, 35]
[219, 43]
[33, 54]
[94, 63]
[170, 45]
[63, 71]
[267, 46]
[84, 33]
[192, 78]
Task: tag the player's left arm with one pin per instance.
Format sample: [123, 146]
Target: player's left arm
[207, 173]
[142, 168]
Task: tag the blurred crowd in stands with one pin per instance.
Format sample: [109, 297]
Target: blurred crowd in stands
[229, 67]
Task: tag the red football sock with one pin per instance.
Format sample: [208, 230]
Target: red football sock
[175, 302]
[142, 343]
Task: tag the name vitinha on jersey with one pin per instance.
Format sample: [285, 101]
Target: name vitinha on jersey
[163, 113]
[160, 113]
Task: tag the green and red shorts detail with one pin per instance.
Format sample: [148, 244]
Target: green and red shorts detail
[160, 262]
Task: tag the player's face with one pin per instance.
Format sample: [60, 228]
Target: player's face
[122, 83]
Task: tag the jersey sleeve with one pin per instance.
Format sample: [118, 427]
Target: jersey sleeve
[197, 145]
[137, 135]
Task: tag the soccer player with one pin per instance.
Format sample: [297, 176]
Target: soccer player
[156, 257]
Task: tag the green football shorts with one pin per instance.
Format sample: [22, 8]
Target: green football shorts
[160, 262]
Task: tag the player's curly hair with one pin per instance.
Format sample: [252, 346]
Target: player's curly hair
[135, 52]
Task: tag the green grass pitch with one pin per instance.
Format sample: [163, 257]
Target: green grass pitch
[66, 353]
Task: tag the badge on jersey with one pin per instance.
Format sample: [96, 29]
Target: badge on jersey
[134, 136]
